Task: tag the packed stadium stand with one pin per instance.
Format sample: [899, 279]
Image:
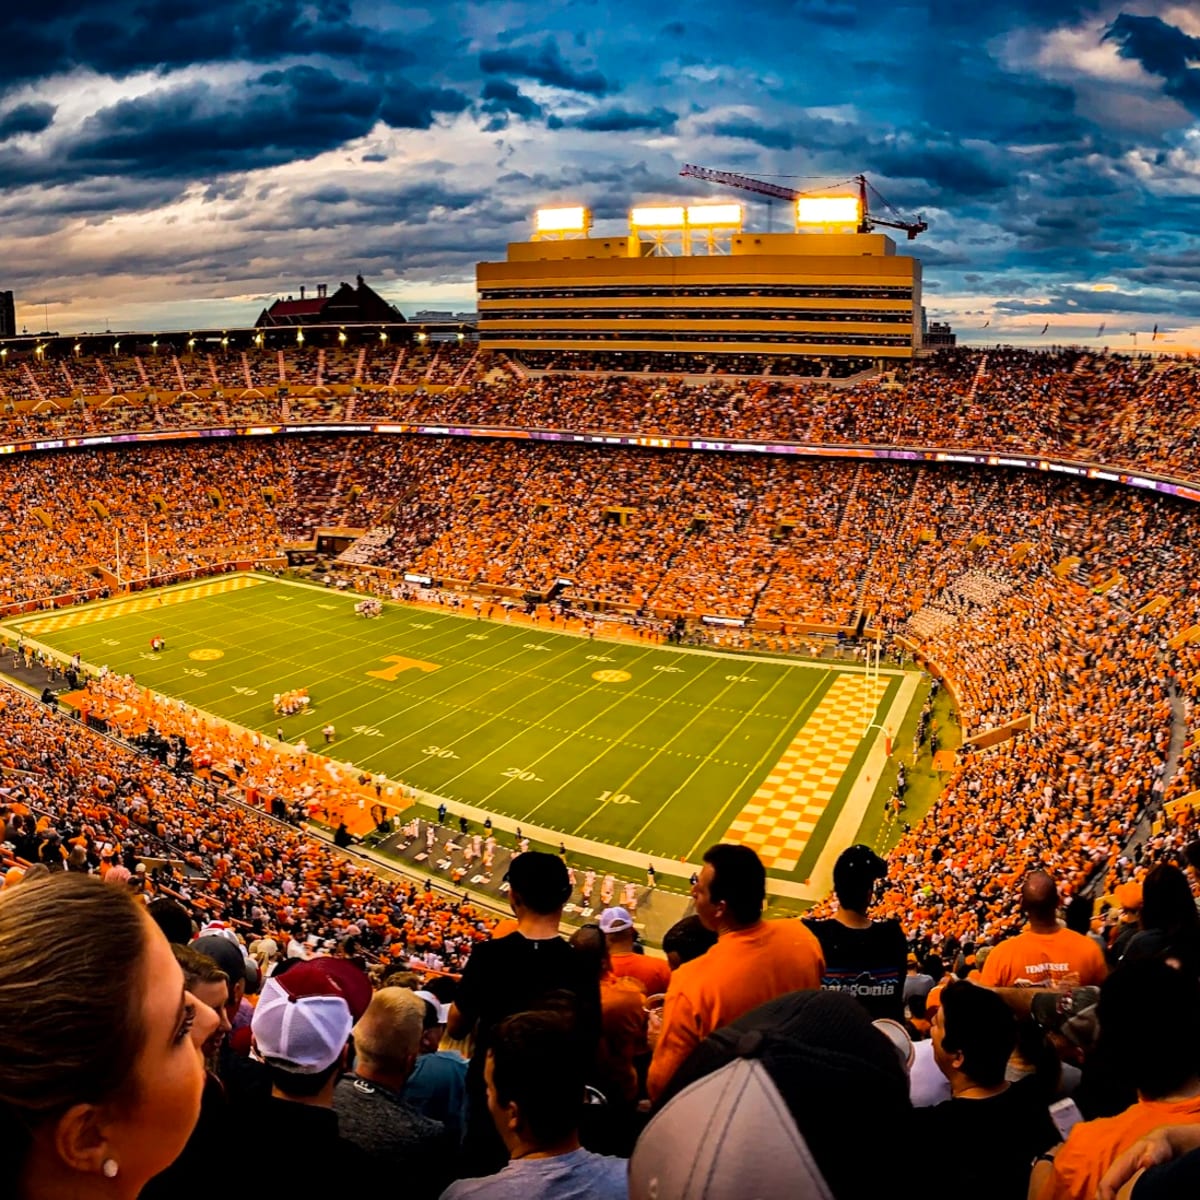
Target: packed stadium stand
[1063, 612]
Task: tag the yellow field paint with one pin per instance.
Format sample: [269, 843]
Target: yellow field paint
[780, 818]
[611, 676]
[76, 617]
[402, 664]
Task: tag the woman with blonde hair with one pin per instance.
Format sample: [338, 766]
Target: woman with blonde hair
[101, 1068]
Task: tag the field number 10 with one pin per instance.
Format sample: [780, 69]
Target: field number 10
[616, 798]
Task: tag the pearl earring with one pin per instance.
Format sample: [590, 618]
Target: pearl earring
[110, 1168]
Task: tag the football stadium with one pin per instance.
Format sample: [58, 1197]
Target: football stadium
[693, 583]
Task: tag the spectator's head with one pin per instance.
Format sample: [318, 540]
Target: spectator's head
[779, 1106]
[538, 884]
[302, 1024]
[854, 876]
[387, 1039]
[590, 942]
[101, 1077]
[172, 918]
[685, 940]
[1039, 899]
[1079, 914]
[1148, 1026]
[210, 985]
[403, 978]
[264, 951]
[1191, 854]
[536, 1072]
[433, 1024]
[973, 1034]
[227, 955]
[1167, 901]
[617, 926]
[1129, 900]
[732, 886]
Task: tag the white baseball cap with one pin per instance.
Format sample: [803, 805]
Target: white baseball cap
[615, 920]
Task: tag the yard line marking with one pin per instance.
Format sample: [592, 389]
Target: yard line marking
[755, 771]
[745, 717]
[780, 818]
[612, 743]
[621, 697]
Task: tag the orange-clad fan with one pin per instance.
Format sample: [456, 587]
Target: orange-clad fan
[753, 961]
[1045, 954]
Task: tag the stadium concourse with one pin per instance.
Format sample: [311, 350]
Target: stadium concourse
[1063, 613]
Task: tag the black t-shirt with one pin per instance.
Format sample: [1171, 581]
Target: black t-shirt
[511, 975]
[986, 1148]
[1178, 1180]
[516, 974]
[868, 964]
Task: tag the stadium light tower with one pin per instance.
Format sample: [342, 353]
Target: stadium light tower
[686, 228]
[559, 224]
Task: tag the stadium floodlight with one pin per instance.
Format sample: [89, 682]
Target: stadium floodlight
[668, 216]
[575, 219]
[714, 216]
[827, 210]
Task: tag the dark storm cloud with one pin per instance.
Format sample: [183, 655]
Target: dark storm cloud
[407, 105]
[622, 120]
[1163, 50]
[126, 36]
[195, 130]
[26, 118]
[503, 99]
[544, 64]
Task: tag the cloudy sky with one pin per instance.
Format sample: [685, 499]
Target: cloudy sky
[165, 163]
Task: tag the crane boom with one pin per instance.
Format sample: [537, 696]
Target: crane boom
[747, 183]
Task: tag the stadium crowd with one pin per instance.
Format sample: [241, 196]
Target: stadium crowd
[1065, 609]
[1049, 601]
[1134, 412]
[1062, 1063]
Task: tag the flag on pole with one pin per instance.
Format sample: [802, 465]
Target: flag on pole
[1044, 328]
[1100, 331]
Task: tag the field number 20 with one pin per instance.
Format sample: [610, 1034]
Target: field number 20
[616, 798]
[518, 773]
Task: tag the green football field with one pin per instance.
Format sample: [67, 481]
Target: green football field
[652, 749]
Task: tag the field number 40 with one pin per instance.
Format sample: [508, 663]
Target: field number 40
[616, 798]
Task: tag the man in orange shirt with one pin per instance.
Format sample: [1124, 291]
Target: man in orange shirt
[1149, 1033]
[1045, 954]
[753, 961]
[652, 973]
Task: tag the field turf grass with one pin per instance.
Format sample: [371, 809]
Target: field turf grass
[627, 744]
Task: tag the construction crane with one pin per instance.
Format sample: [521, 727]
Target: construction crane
[747, 183]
